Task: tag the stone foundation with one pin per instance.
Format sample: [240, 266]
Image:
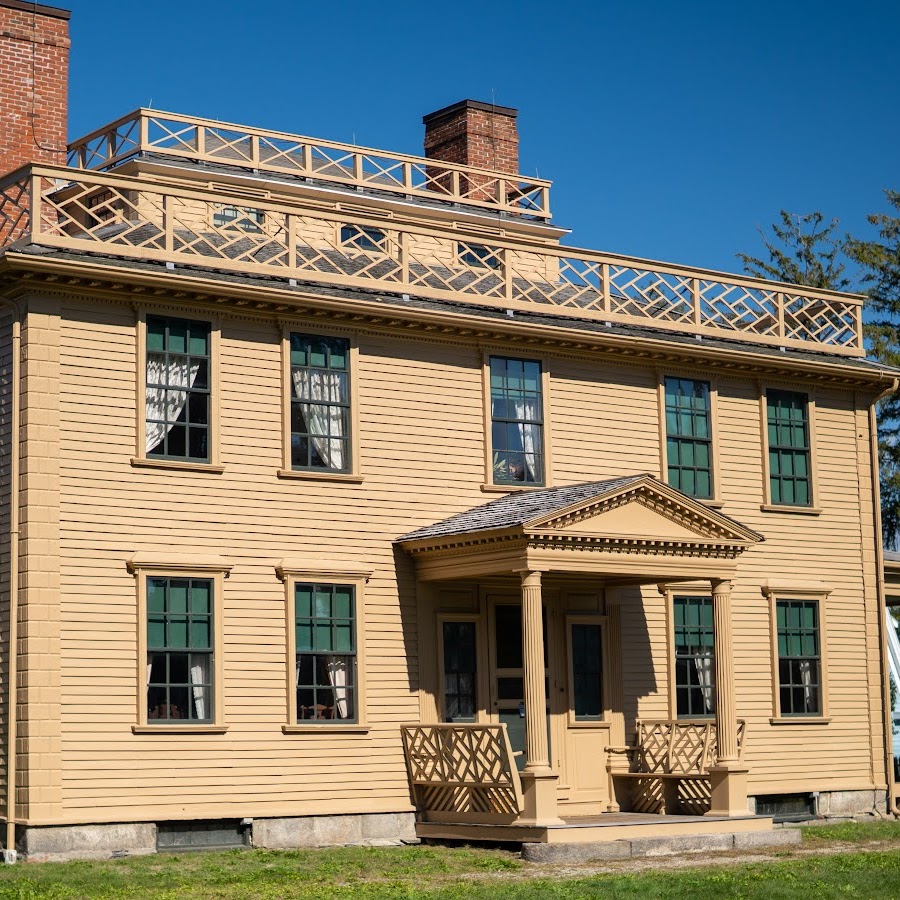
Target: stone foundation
[845, 804]
[380, 829]
[58, 843]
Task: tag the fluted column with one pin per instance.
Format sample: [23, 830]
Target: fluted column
[726, 711]
[537, 754]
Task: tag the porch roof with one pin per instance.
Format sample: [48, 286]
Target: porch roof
[634, 527]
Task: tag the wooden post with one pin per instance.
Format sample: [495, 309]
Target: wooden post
[728, 778]
[616, 757]
[538, 779]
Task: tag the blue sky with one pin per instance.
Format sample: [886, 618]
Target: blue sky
[671, 130]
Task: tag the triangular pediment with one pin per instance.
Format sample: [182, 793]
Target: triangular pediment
[644, 511]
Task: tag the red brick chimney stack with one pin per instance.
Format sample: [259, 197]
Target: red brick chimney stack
[474, 134]
[34, 83]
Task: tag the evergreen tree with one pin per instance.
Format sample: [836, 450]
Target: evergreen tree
[880, 262]
[804, 250]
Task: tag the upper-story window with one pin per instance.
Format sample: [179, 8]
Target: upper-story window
[478, 256]
[688, 436]
[178, 389]
[517, 417]
[243, 218]
[364, 238]
[320, 403]
[787, 419]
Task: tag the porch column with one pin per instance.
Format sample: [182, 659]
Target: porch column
[728, 778]
[538, 779]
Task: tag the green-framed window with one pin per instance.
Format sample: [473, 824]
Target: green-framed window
[180, 649]
[517, 421]
[689, 436]
[790, 482]
[326, 655]
[799, 658]
[177, 402]
[695, 670]
[587, 671]
[320, 403]
[460, 671]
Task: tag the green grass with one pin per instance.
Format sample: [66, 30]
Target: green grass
[462, 873]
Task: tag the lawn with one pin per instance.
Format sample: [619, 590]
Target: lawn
[836, 861]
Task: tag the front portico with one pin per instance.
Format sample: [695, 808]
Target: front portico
[600, 536]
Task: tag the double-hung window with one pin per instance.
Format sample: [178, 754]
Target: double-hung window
[695, 671]
[517, 421]
[799, 658]
[689, 436]
[320, 403]
[787, 421]
[326, 669]
[180, 649]
[177, 405]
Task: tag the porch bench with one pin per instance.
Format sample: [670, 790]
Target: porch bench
[669, 765]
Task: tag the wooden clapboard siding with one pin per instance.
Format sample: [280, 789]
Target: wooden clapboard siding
[6, 448]
[422, 456]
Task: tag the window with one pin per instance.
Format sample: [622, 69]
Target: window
[688, 436]
[799, 658]
[517, 431]
[325, 642]
[460, 671]
[239, 218]
[787, 420]
[478, 256]
[695, 673]
[177, 389]
[320, 403]
[363, 238]
[587, 671]
[179, 649]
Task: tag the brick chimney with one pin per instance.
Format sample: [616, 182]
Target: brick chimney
[34, 83]
[474, 134]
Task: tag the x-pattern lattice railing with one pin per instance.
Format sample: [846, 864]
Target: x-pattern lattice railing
[130, 217]
[677, 748]
[462, 768]
[202, 140]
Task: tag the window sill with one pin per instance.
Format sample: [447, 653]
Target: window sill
[347, 477]
[355, 728]
[712, 504]
[179, 729]
[800, 720]
[141, 463]
[507, 488]
[798, 510]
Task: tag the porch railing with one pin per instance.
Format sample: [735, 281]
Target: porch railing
[225, 229]
[147, 131]
[462, 771]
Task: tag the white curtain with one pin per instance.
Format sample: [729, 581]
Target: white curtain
[527, 409]
[338, 668]
[162, 403]
[198, 690]
[322, 388]
[704, 666]
[806, 677]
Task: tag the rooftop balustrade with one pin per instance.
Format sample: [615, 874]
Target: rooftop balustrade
[131, 217]
[147, 132]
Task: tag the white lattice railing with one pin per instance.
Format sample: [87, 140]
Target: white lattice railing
[148, 131]
[128, 217]
[462, 770]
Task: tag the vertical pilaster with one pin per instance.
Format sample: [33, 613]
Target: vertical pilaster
[617, 759]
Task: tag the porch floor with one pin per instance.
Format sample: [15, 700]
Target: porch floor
[604, 827]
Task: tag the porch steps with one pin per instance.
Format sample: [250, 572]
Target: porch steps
[623, 834]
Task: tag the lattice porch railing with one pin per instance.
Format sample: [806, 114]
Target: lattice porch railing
[462, 771]
[276, 236]
[148, 131]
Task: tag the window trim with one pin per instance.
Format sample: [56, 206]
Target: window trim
[353, 475]
[174, 565]
[141, 459]
[605, 720]
[489, 486]
[324, 572]
[715, 499]
[816, 592]
[812, 508]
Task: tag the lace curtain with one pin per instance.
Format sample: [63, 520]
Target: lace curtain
[528, 409]
[324, 423]
[166, 403]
